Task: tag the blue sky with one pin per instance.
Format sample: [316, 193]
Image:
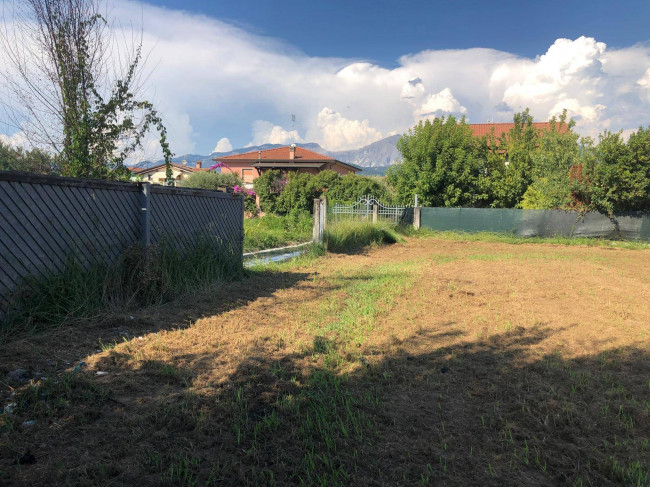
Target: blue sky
[383, 30]
[230, 74]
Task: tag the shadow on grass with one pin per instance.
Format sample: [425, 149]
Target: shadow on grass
[83, 336]
[438, 409]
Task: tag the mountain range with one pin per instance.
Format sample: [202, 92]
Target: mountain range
[374, 158]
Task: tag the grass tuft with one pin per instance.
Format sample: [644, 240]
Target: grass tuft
[349, 236]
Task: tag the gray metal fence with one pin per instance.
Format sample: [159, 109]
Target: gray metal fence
[44, 220]
[367, 208]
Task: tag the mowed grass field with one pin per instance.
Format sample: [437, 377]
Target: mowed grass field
[430, 362]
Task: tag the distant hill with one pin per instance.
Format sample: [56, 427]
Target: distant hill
[380, 153]
[376, 156]
[374, 171]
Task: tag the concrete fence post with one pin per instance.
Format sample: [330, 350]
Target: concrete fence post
[375, 213]
[317, 222]
[323, 211]
[323, 218]
[145, 202]
[416, 217]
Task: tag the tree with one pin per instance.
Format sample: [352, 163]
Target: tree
[35, 160]
[442, 163]
[558, 152]
[616, 173]
[63, 57]
[510, 161]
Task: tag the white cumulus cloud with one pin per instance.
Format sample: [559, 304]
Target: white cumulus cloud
[340, 133]
[16, 139]
[265, 132]
[223, 145]
[438, 104]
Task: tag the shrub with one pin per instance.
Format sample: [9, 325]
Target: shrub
[268, 186]
[211, 180]
[250, 203]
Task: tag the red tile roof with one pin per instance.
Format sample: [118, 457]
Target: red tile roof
[188, 167]
[481, 129]
[279, 154]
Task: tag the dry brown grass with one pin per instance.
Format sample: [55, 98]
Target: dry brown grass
[431, 362]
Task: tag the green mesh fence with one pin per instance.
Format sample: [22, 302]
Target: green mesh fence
[538, 223]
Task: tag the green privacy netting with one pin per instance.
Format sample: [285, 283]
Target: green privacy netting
[537, 223]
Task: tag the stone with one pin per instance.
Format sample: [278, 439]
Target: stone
[17, 376]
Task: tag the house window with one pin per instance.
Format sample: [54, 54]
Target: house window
[247, 175]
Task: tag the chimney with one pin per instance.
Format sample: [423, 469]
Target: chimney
[198, 164]
[259, 155]
[184, 162]
[292, 152]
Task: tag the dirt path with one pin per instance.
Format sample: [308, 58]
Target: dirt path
[430, 362]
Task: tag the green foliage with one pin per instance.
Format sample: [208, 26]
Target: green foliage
[510, 162]
[268, 186]
[350, 187]
[271, 231]
[526, 168]
[35, 161]
[615, 174]
[442, 163]
[94, 129]
[349, 236]
[296, 191]
[211, 180]
[558, 152]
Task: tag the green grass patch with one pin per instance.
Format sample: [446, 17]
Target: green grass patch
[517, 240]
[271, 231]
[348, 236]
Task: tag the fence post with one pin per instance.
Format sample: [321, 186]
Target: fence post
[323, 211]
[322, 215]
[145, 200]
[375, 213]
[317, 239]
[416, 217]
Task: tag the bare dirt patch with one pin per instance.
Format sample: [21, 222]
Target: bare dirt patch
[431, 362]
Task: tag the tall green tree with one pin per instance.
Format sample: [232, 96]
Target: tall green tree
[442, 163]
[617, 173]
[557, 153]
[510, 161]
[63, 58]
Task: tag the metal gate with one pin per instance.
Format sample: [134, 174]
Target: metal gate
[367, 208]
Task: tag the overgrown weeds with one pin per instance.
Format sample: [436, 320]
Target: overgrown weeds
[139, 277]
[348, 236]
[272, 231]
